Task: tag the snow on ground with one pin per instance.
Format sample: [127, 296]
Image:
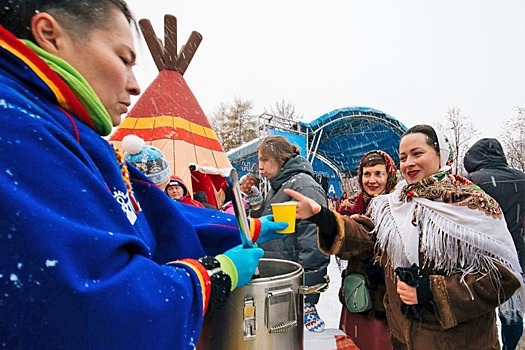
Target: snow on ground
[329, 307]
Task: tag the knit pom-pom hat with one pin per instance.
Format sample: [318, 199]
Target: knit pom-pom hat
[148, 159]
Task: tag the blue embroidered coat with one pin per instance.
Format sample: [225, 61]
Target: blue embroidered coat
[80, 266]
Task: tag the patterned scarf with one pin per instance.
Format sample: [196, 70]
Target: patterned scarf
[452, 189]
[363, 199]
[453, 225]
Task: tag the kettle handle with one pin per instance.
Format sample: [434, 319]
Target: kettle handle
[285, 326]
[316, 288]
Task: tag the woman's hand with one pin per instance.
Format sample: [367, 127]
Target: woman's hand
[306, 207]
[407, 294]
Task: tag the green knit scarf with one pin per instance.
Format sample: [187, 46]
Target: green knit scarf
[80, 87]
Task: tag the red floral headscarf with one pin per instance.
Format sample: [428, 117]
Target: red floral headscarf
[363, 199]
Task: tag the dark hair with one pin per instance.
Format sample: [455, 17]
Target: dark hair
[77, 16]
[371, 159]
[278, 148]
[432, 139]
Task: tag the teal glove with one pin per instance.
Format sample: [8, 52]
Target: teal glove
[268, 228]
[245, 261]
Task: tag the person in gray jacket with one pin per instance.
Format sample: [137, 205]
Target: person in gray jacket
[280, 163]
[487, 167]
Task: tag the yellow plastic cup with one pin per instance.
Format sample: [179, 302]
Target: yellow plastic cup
[285, 212]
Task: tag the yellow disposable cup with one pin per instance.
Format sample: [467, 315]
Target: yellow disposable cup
[285, 212]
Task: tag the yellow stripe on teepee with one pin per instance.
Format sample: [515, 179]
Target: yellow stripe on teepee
[198, 129]
[164, 121]
[181, 123]
[60, 98]
[128, 123]
[210, 133]
[167, 121]
[145, 123]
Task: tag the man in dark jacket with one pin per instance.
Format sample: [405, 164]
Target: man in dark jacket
[487, 166]
[282, 165]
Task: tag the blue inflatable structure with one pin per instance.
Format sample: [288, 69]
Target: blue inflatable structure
[335, 143]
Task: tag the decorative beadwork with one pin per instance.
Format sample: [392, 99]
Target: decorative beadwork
[125, 176]
[209, 262]
[220, 290]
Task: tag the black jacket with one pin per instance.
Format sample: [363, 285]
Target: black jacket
[487, 166]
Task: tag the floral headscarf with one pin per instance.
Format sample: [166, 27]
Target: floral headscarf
[363, 199]
[446, 154]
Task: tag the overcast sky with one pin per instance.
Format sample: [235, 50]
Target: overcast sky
[412, 59]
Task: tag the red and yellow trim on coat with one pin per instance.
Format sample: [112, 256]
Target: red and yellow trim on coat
[255, 229]
[202, 275]
[58, 87]
[169, 127]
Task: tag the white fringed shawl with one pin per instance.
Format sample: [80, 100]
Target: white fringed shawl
[454, 238]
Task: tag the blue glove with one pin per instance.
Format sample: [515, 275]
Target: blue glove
[268, 228]
[245, 261]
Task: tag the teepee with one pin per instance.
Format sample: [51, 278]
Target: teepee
[169, 117]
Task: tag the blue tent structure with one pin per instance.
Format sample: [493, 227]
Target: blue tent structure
[342, 136]
[336, 141]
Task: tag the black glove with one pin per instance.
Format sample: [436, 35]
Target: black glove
[373, 272]
[412, 277]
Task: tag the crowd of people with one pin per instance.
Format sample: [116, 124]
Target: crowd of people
[447, 258]
[103, 249]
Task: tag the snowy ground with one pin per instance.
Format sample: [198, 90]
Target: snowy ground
[329, 307]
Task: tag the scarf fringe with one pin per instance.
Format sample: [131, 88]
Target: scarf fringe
[389, 238]
[436, 243]
[465, 252]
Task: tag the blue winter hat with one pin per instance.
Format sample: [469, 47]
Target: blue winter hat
[148, 159]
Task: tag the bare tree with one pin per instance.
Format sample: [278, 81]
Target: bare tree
[513, 139]
[234, 124]
[283, 109]
[281, 116]
[459, 130]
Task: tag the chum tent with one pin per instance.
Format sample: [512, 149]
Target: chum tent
[168, 116]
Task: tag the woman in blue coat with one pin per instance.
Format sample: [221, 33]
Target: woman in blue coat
[93, 255]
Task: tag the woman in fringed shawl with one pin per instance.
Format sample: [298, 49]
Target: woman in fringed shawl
[369, 330]
[447, 256]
